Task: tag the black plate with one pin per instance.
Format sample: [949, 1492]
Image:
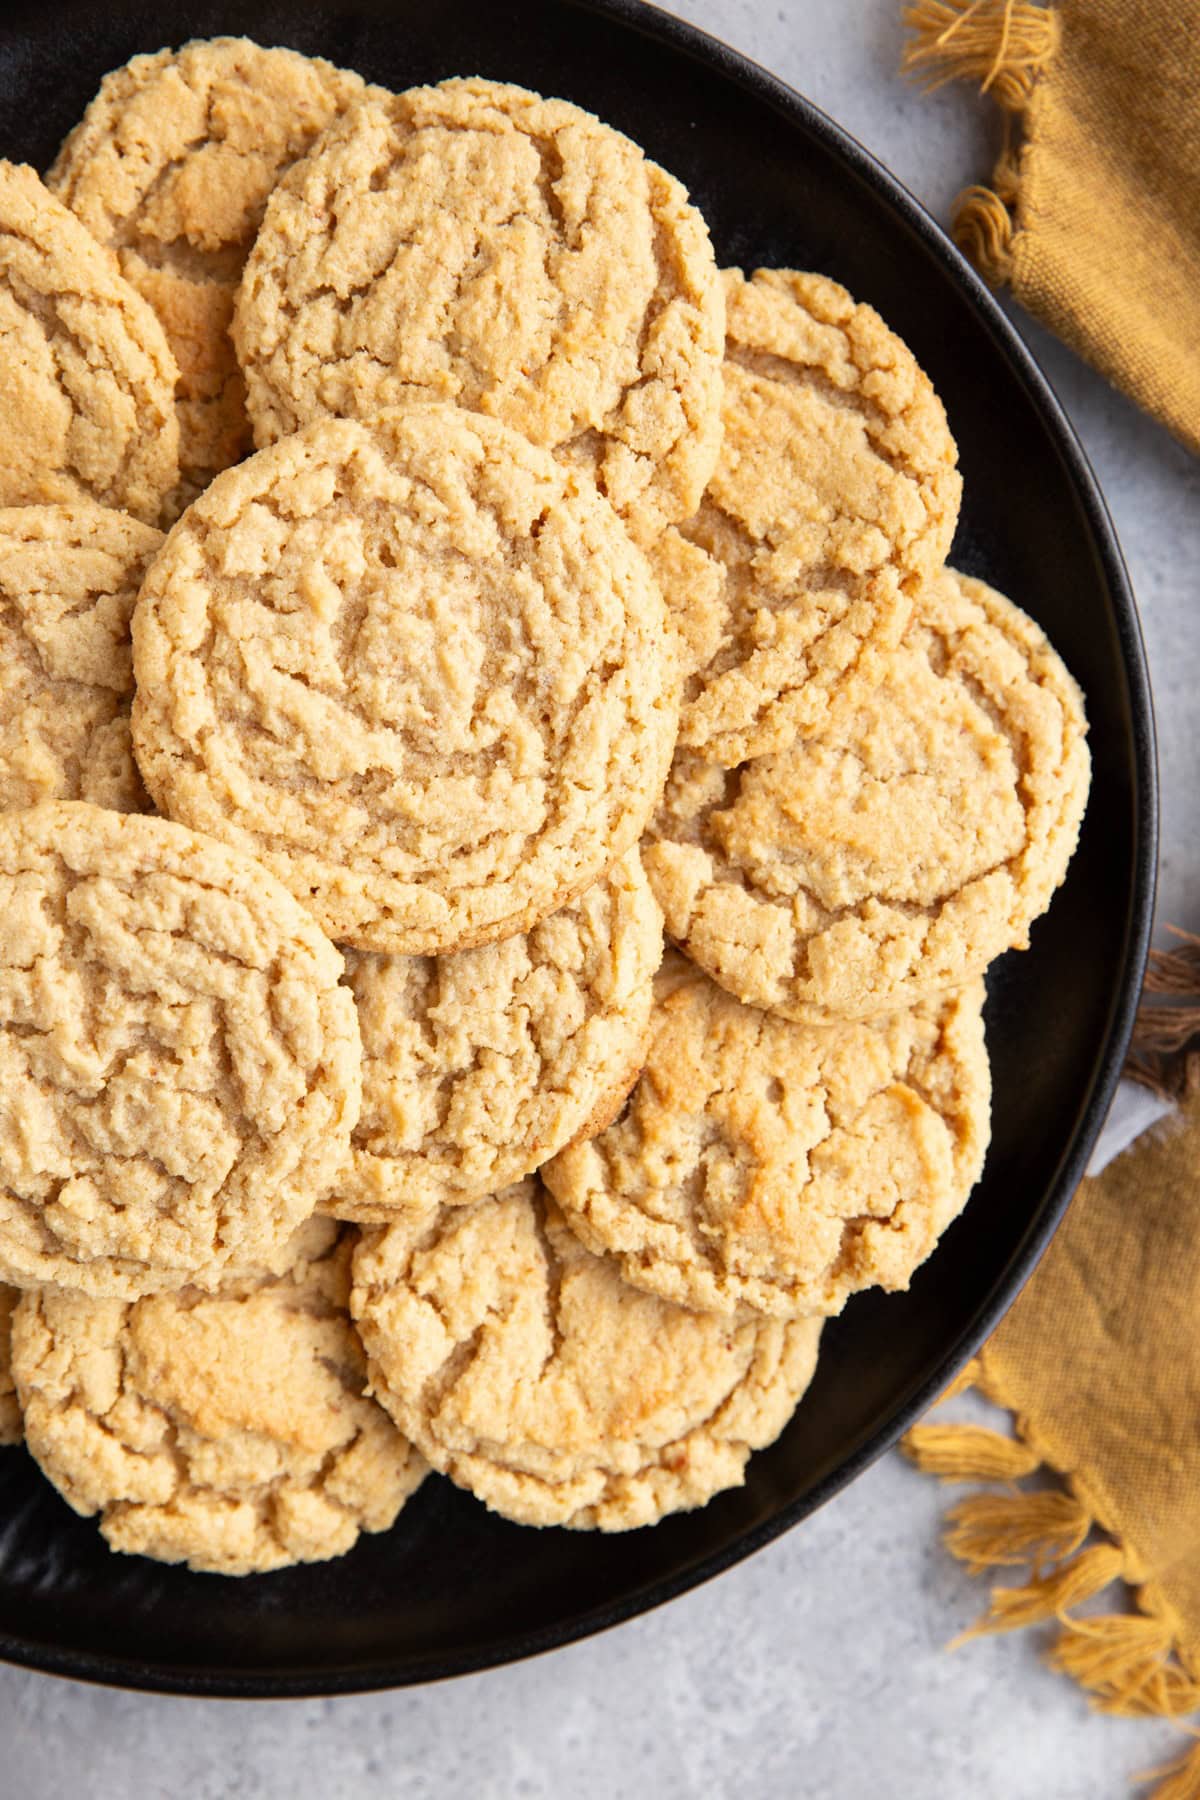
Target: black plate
[452, 1588]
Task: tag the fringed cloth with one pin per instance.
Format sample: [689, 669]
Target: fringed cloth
[1097, 1489]
[1092, 215]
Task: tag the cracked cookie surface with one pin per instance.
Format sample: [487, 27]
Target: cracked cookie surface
[179, 1066]
[477, 243]
[480, 1065]
[69, 576]
[418, 668]
[171, 167]
[836, 492]
[230, 1431]
[778, 1167]
[526, 1369]
[87, 380]
[902, 847]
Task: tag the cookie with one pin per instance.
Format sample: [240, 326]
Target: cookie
[11, 1427]
[474, 242]
[692, 584]
[86, 378]
[179, 1066]
[527, 1370]
[171, 167]
[229, 1431]
[480, 1065]
[778, 1167]
[418, 668]
[69, 576]
[899, 849]
[835, 495]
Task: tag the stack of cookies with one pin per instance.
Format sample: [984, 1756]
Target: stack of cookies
[354, 1119]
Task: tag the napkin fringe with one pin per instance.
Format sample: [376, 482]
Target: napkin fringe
[983, 229]
[1129, 1661]
[1169, 1020]
[1178, 1780]
[1002, 44]
[1005, 45]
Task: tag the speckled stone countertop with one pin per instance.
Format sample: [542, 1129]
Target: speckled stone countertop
[817, 1669]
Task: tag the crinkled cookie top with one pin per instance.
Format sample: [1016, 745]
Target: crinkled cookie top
[526, 1369]
[479, 1065]
[171, 166]
[87, 381]
[231, 1431]
[897, 850]
[418, 668]
[779, 1167]
[477, 243]
[179, 1066]
[69, 576]
[836, 493]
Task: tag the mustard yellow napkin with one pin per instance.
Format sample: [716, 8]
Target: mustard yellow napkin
[1093, 213]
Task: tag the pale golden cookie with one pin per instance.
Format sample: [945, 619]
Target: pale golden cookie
[692, 584]
[179, 1065]
[899, 849]
[474, 242]
[836, 493]
[418, 668]
[11, 1428]
[229, 1431]
[69, 576]
[171, 167]
[528, 1371]
[778, 1167]
[86, 378]
[480, 1065]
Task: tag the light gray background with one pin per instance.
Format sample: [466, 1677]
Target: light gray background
[817, 1671]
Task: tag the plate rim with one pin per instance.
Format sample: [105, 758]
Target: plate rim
[96, 1668]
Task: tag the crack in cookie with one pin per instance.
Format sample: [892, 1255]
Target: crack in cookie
[230, 1431]
[478, 1066]
[418, 668]
[179, 1065]
[171, 167]
[899, 848]
[86, 376]
[69, 576]
[474, 242]
[525, 1368]
[777, 1167]
[834, 496]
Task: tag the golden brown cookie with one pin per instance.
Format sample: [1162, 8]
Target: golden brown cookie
[86, 378]
[179, 1065]
[230, 1431]
[480, 1065]
[778, 1167]
[901, 847]
[69, 576]
[527, 1370]
[836, 493]
[11, 1428]
[474, 242]
[418, 668]
[171, 167]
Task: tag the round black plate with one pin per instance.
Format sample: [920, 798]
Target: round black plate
[453, 1588]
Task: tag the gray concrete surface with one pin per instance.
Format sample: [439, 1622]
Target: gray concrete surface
[818, 1670]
